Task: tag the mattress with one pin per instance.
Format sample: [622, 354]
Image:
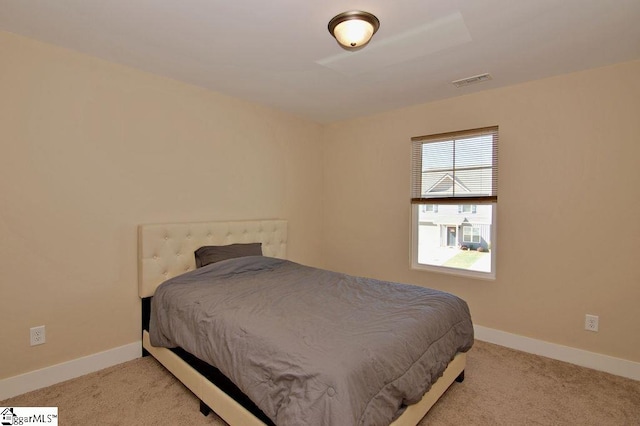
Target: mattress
[310, 346]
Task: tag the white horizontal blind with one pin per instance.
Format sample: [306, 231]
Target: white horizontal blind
[454, 168]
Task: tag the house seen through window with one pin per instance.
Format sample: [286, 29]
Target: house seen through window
[454, 197]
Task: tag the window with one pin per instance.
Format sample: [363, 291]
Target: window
[470, 234]
[455, 175]
[467, 208]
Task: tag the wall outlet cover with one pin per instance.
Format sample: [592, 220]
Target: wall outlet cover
[37, 335]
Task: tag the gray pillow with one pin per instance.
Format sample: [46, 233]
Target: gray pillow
[207, 255]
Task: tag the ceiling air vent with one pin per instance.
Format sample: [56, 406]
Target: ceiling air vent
[472, 80]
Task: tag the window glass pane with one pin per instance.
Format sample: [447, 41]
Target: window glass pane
[476, 182]
[456, 236]
[456, 165]
[437, 156]
[474, 152]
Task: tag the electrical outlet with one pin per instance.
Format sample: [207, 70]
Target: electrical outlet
[37, 335]
[591, 322]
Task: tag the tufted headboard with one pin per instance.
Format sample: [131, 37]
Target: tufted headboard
[166, 250]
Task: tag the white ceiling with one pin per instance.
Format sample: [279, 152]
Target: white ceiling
[279, 52]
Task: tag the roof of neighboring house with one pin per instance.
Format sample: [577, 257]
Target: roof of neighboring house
[443, 182]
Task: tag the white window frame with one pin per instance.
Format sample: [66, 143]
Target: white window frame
[473, 208]
[433, 209]
[478, 193]
[470, 232]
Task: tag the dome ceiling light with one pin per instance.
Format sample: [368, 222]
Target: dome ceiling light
[353, 29]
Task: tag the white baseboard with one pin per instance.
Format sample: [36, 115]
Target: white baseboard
[596, 361]
[48, 376]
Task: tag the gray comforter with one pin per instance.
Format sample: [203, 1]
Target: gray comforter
[310, 346]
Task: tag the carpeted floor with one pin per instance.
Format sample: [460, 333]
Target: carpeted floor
[502, 387]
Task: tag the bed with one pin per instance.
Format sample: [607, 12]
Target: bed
[166, 253]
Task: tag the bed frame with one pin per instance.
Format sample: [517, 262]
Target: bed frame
[166, 250]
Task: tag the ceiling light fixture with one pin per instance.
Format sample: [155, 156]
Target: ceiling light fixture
[353, 29]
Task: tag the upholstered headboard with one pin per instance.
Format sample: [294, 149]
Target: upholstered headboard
[166, 250]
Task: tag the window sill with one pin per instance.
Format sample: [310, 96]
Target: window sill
[487, 276]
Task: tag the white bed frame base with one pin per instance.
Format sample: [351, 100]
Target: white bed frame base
[166, 250]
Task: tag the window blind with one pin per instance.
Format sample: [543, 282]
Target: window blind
[455, 168]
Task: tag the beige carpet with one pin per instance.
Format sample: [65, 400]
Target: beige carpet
[502, 387]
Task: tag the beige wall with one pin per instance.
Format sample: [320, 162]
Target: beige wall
[91, 149]
[568, 212]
